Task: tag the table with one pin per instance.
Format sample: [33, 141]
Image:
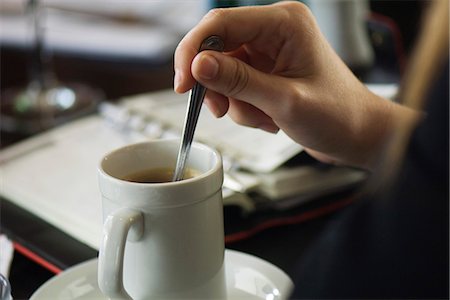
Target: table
[280, 237]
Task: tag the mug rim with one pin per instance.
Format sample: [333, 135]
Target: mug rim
[217, 166]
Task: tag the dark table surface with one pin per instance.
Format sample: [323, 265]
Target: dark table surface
[282, 244]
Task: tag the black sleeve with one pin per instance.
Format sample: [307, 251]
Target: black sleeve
[394, 245]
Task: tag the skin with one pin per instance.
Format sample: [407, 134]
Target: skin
[279, 72]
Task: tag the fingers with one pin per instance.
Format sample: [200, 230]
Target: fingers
[240, 112]
[249, 115]
[236, 26]
[216, 103]
[235, 79]
[241, 81]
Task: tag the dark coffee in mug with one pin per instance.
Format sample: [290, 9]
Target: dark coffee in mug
[158, 175]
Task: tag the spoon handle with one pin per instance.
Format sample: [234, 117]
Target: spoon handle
[196, 96]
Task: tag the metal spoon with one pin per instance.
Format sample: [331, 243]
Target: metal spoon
[193, 111]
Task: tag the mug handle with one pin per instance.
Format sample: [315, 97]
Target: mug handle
[120, 226]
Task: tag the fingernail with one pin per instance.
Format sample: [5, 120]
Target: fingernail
[269, 128]
[177, 79]
[209, 67]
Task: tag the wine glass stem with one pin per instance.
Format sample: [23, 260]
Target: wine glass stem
[37, 65]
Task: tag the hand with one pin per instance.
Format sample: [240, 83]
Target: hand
[278, 71]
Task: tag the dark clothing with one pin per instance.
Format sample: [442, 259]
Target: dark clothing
[394, 245]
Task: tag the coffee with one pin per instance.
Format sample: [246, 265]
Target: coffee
[158, 175]
[156, 222]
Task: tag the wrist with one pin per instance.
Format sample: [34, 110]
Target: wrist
[381, 121]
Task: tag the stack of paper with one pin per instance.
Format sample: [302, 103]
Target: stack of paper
[54, 174]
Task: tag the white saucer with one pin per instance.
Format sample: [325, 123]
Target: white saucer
[248, 277]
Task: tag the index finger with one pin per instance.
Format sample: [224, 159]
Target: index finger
[235, 26]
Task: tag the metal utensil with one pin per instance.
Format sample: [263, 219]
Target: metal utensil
[196, 97]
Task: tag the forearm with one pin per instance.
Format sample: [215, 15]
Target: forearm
[380, 118]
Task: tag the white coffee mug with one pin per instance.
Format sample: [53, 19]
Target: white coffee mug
[162, 240]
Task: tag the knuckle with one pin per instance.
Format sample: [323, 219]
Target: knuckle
[296, 11]
[304, 15]
[215, 13]
[301, 8]
[295, 18]
[239, 80]
[295, 7]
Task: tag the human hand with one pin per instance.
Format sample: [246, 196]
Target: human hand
[278, 71]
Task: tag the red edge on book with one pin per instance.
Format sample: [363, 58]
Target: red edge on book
[302, 217]
[36, 258]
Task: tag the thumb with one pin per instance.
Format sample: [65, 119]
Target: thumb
[234, 78]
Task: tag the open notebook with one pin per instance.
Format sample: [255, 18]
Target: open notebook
[53, 174]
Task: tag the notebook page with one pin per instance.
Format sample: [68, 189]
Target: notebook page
[250, 148]
[57, 179]
[54, 175]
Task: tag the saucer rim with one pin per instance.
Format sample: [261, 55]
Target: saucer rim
[280, 279]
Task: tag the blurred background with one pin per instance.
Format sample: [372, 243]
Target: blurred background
[60, 58]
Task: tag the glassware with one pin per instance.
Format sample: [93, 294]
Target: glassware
[44, 102]
[5, 288]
